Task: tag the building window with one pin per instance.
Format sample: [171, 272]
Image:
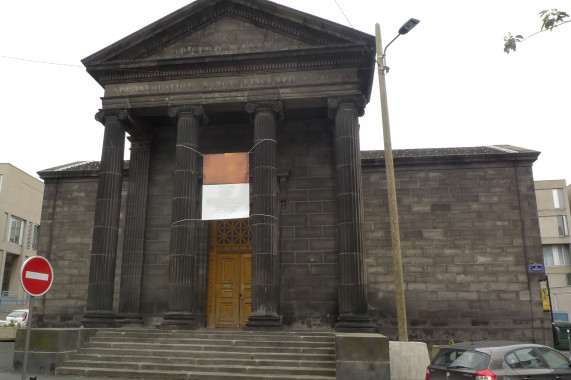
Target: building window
[562, 229]
[558, 200]
[35, 238]
[556, 255]
[6, 278]
[29, 237]
[16, 230]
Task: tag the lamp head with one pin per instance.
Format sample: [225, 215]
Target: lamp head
[407, 26]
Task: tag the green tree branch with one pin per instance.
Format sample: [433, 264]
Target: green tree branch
[550, 19]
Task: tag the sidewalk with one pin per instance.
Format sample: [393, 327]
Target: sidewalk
[8, 373]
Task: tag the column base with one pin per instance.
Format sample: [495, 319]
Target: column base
[98, 318]
[264, 322]
[179, 321]
[129, 320]
[355, 323]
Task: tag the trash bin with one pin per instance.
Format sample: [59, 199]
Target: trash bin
[561, 335]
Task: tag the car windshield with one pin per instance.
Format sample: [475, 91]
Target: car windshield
[17, 314]
[460, 358]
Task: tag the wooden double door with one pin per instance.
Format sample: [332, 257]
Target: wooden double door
[229, 276]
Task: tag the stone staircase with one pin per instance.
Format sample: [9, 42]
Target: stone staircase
[205, 354]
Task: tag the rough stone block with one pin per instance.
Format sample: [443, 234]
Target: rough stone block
[362, 356]
[408, 360]
[49, 347]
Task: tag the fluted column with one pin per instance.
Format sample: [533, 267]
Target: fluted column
[265, 255]
[134, 242]
[99, 311]
[352, 276]
[181, 302]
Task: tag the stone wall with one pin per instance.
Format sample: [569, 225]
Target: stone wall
[469, 231]
[308, 226]
[468, 234]
[65, 240]
[157, 232]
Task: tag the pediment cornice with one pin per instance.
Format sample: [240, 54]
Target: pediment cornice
[314, 42]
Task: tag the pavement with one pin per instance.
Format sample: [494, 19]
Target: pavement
[7, 372]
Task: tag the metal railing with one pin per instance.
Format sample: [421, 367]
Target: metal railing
[8, 294]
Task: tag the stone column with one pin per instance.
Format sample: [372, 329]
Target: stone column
[134, 243]
[265, 255]
[181, 302]
[352, 276]
[99, 311]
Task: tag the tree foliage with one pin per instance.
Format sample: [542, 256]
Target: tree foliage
[550, 19]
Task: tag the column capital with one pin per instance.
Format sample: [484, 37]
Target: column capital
[121, 114]
[333, 104]
[139, 144]
[276, 107]
[195, 110]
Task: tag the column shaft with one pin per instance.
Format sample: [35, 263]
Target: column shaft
[185, 214]
[106, 226]
[265, 213]
[352, 276]
[134, 243]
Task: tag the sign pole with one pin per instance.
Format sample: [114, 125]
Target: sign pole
[28, 333]
[36, 277]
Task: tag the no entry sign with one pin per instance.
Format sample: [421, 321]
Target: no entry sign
[36, 276]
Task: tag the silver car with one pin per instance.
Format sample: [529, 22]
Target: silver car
[498, 360]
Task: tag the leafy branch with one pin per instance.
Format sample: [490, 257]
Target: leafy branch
[550, 19]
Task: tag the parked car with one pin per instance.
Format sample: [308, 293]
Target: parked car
[16, 317]
[498, 360]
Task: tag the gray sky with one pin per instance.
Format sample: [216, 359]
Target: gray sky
[450, 83]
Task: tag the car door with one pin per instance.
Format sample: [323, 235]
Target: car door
[528, 364]
[560, 365]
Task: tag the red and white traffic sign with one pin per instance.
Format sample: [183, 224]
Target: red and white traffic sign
[36, 276]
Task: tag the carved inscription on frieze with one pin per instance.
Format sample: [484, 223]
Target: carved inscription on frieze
[228, 36]
[242, 83]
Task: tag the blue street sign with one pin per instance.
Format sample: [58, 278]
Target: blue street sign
[536, 268]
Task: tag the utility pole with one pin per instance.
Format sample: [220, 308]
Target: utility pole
[391, 187]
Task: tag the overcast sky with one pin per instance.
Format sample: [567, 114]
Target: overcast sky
[450, 83]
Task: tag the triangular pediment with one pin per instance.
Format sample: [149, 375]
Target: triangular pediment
[228, 35]
[222, 37]
[219, 27]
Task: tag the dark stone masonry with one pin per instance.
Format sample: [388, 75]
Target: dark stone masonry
[128, 245]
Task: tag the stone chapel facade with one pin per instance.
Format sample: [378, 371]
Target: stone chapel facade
[128, 245]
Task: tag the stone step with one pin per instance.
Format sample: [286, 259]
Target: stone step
[221, 341]
[205, 354]
[208, 360]
[212, 334]
[212, 347]
[165, 353]
[234, 369]
[176, 375]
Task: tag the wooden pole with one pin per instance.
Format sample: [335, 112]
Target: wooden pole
[391, 187]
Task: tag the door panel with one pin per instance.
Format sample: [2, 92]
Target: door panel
[233, 289]
[246, 285]
[227, 290]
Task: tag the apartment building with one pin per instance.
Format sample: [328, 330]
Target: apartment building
[554, 213]
[20, 210]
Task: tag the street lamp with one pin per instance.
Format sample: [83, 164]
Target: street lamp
[393, 210]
